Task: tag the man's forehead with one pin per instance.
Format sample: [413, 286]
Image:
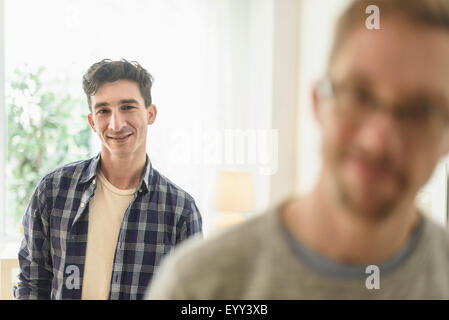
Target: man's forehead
[117, 92]
[401, 55]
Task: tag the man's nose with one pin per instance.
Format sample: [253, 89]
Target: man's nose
[379, 135]
[117, 121]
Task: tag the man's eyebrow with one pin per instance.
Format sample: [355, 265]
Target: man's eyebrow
[436, 100]
[101, 104]
[359, 79]
[128, 101]
[123, 101]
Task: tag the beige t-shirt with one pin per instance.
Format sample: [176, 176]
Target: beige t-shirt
[106, 212]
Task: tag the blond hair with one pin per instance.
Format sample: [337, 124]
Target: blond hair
[425, 12]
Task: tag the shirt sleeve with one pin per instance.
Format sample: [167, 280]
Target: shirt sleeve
[191, 223]
[35, 277]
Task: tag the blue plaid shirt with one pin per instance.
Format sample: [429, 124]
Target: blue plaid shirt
[55, 225]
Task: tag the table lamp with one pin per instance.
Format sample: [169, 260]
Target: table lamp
[234, 197]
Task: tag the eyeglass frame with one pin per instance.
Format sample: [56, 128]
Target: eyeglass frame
[328, 89]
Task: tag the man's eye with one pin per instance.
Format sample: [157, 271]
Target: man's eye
[102, 111]
[357, 97]
[361, 95]
[419, 112]
[128, 107]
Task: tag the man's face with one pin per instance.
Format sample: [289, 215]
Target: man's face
[120, 119]
[379, 154]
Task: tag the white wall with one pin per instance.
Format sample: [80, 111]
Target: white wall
[317, 18]
[264, 35]
[432, 198]
[285, 93]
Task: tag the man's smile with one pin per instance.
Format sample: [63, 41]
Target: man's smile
[121, 138]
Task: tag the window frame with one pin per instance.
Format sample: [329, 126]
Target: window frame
[3, 132]
[8, 244]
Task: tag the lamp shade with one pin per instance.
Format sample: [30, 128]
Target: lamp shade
[235, 192]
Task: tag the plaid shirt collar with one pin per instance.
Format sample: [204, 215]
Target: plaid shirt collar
[91, 173]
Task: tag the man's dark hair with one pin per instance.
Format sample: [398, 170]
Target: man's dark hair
[109, 71]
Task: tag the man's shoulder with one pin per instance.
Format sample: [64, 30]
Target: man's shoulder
[437, 238]
[70, 171]
[429, 264]
[164, 184]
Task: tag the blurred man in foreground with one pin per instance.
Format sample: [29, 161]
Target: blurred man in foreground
[383, 109]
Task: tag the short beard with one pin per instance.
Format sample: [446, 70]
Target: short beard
[374, 214]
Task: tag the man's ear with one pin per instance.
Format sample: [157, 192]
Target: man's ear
[152, 112]
[316, 104]
[91, 122]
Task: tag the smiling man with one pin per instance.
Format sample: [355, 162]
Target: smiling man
[383, 110]
[98, 228]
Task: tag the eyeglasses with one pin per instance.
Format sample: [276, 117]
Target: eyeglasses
[356, 102]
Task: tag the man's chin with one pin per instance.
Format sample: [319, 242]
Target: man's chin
[368, 204]
[372, 211]
[119, 151]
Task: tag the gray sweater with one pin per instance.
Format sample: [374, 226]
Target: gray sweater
[260, 260]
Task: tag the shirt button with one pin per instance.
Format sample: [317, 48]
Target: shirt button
[82, 204]
[140, 190]
[93, 182]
